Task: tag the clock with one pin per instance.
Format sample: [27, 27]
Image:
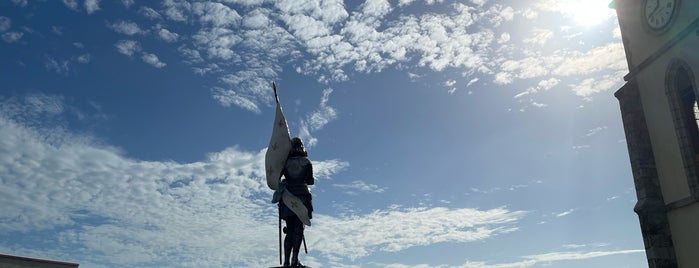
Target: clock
[659, 13]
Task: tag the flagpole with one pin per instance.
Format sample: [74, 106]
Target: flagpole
[280, 235]
[279, 217]
[304, 244]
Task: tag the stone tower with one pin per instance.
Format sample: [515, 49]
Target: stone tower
[659, 110]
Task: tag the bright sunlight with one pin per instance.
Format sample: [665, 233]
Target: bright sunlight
[586, 12]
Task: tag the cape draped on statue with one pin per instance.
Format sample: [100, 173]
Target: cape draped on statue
[275, 157]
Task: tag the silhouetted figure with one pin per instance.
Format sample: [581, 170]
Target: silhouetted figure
[298, 174]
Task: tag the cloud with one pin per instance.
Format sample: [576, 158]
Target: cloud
[595, 131]
[75, 193]
[530, 260]
[228, 97]
[128, 47]
[579, 147]
[149, 13]
[56, 65]
[323, 115]
[176, 10]
[71, 4]
[563, 256]
[84, 58]
[591, 86]
[126, 27]
[215, 14]
[127, 3]
[325, 40]
[11, 37]
[153, 60]
[5, 23]
[610, 56]
[21, 3]
[576, 246]
[167, 35]
[504, 38]
[326, 169]
[398, 229]
[450, 84]
[242, 47]
[91, 6]
[360, 186]
[565, 213]
[541, 36]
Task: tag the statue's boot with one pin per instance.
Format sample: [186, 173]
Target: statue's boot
[287, 251]
[295, 259]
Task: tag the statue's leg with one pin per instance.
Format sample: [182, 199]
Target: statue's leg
[298, 236]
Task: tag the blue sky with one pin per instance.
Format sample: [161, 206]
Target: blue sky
[475, 133]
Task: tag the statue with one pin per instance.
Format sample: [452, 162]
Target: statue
[298, 173]
[288, 157]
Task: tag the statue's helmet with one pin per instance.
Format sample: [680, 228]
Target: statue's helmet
[297, 146]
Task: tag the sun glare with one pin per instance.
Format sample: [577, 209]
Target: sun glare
[587, 12]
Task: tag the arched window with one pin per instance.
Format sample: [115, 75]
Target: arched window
[683, 96]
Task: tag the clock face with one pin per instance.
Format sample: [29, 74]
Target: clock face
[659, 12]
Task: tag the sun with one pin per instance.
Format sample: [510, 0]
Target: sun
[587, 12]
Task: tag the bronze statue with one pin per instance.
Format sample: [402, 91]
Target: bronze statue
[298, 174]
[288, 158]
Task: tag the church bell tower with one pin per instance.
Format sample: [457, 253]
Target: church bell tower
[660, 114]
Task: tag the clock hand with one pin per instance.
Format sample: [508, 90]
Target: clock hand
[657, 6]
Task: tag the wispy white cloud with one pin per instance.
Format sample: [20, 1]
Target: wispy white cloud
[72, 4]
[11, 37]
[84, 58]
[610, 56]
[228, 97]
[127, 3]
[577, 246]
[591, 86]
[126, 27]
[530, 260]
[326, 169]
[153, 60]
[176, 10]
[579, 147]
[215, 14]
[121, 211]
[540, 37]
[5, 23]
[563, 256]
[57, 30]
[323, 115]
[56, 65]
[128, 47]
[111, 206]
[565, 213]
[91, 6]
[398, 229]
[21, 3]
[336, 42]
[595, 131]
[359, 186]
[167, 35]
[149, 12]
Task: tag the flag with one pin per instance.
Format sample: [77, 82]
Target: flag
[292, 202]
[279, 146]
[275, 158]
